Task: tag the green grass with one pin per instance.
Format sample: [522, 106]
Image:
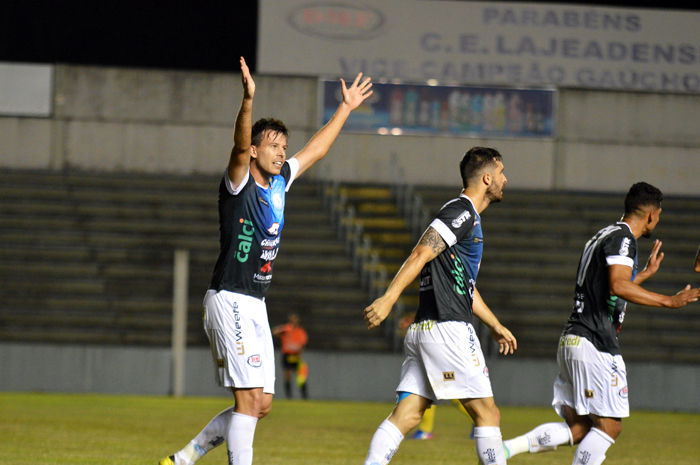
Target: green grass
[43, 429]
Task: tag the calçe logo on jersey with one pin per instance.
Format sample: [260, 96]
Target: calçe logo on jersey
[245, 240]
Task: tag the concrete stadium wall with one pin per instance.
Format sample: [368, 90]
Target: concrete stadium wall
[181, 122]
[332, 376]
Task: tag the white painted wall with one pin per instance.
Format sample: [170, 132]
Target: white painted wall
[181, 122]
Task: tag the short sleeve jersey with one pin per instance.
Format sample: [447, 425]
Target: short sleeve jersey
[598, 315]
[251, 218]
[447, 282]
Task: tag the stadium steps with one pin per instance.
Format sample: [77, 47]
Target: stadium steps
[88, 258]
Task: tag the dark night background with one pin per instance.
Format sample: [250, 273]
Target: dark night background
[190, 35]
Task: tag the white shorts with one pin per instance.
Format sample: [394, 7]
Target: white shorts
[590, 381]
[444, 361]
[240, 339]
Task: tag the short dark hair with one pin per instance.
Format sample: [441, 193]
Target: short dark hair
[475, 160]
[264, 125]
[642, 195]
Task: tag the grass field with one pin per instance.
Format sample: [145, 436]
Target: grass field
[43, 429]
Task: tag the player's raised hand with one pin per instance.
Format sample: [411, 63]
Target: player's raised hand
[655, 258]
[247, 79]
[377, 312]
[354, 95]
[507, 344]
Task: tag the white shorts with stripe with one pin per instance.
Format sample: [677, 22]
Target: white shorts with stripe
[590, 381]
[444, 361]
[240, 339]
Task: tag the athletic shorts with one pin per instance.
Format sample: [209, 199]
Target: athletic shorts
[240, 339]
[590, 381]
[444, 361]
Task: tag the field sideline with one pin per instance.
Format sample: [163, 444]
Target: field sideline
[43, 429]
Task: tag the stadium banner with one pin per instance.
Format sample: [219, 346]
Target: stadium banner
[482, 43]
[418, 109]
[26, 89]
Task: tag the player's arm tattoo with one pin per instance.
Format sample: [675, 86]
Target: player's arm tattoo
[432, 239]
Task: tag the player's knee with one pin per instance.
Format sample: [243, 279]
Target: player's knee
[264, 411]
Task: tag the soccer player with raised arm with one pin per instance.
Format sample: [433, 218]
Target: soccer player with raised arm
[591, 392]
[251, 218]
[443, 354]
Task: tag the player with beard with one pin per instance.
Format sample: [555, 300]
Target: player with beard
[590, 393]
[443, 354]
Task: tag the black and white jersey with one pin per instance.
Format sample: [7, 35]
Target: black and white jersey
[251, 218]
[598, 315]
[447, 283]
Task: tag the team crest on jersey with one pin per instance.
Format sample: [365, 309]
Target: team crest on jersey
[277, 200]
[459, 221]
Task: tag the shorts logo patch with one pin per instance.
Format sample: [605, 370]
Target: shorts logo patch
[486, 371]
[220, 362]
[588, 393]
[623, 392]
[255, 361]
[448, 375]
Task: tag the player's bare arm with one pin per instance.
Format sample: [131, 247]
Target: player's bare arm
[429, 247]
[318, 146]
[507, 344]
[240, 153]
[697, 261]
[652, 265]
[621, 285]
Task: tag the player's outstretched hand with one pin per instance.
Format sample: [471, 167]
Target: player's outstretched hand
[655, 258]
[247, 79]
[357, 92]
[684, 297]
[377, 312]
[506, 341]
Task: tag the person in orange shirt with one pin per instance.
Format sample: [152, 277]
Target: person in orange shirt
[294, 339]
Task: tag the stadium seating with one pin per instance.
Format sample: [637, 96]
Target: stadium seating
[88, 258]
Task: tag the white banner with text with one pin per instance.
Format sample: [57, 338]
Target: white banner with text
[482, 43]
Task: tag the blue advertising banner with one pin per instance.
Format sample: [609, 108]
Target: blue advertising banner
[419, 109]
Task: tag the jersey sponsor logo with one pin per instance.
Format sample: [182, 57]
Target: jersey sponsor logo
[459, 221]
[262, 278]
[267, 267]
[579, 303]
[245, 240]
[270, 243]
[623, 392]
[625, 247]
[460, 286]
[274, 229]
[570, 340]
[448, 375]
[263, 201]
[238, 333]
[255, 361]
[269, 255]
